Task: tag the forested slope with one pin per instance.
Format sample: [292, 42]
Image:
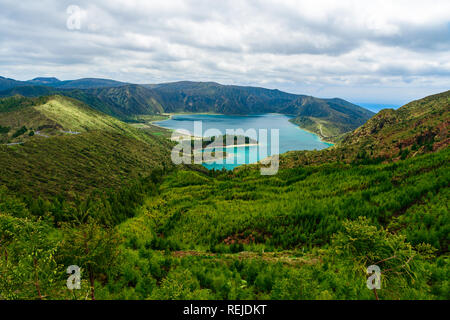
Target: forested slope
[59, 145]
[309, 232]
[122, 102]
[328, 118]
[418, 127]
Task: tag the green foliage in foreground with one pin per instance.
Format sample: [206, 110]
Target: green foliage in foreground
[306, 233]
[300, 207]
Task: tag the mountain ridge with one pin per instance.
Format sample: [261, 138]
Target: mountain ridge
[56, 144]
[418, 127]
[182, 233]
[328, 118]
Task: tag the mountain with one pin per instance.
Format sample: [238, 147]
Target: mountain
[59, 145]
[85, 83]
[28, 91]
[328, 118]
[124, 101]
[45, 81]
[188, 96]
[325, 117]
[86, 189]
[416, 128]
[121, 102]
[88, 83]
[7, 83]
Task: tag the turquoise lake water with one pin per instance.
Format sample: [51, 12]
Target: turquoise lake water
[291, 137]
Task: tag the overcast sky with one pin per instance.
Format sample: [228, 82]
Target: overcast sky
[364, 51]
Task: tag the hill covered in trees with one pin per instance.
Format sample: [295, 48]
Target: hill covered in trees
[328, 118]
[123, 102]
[58, 145]
[309, 232]
[418, 127]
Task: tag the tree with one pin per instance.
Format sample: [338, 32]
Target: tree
[91, 247]
[27, 265]
[361, 245]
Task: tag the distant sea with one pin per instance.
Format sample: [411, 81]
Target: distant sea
[375, 107]
[291, 137]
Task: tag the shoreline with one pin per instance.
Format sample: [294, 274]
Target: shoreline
[319, 136]
[233, 146]
[170, 115]
[221, 158]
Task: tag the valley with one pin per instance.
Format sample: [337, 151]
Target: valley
[329, 118]
[73, 177]
[253, 159]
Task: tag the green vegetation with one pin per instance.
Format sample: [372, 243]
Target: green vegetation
[244, 236]
[326, 130]
[416, 128]
[106, 153]
[18, 102]
[329, 118]
[4, 129]
[79, 163]
[19, 132]
[271, 209]
[109, 200]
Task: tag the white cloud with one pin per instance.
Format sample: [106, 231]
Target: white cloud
[322, 47]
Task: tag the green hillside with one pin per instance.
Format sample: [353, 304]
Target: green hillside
[244, 236]
[69, 147]
[57, 113]
[122, 102]
[97, 200]
[416, 128]
[28, 91]
[329, 118]
[126, 101]
[7, 83]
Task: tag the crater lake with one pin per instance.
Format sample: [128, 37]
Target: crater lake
[291, 137]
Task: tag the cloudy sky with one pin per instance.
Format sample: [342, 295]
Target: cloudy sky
[364, 51]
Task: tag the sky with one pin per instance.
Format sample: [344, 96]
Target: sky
[377, 51]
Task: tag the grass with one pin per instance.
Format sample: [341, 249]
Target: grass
[105, 154]
[299, 206]
[308, 232]
[391, 135]
[78, 164]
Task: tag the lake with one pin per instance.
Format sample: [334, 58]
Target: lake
[291, 137]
